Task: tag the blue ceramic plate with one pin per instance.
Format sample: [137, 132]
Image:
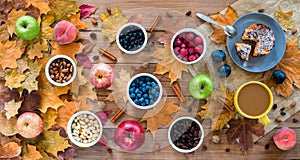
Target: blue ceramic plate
[259, 63]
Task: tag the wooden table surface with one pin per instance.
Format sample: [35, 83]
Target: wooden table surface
[263, 149]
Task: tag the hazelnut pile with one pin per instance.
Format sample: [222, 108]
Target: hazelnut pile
[61, 70]
[85, 128]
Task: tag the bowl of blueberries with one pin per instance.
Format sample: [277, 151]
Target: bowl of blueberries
[144, 91]
[131, 38]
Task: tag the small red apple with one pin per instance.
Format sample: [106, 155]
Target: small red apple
[29, 125]
[101, 75]
[129, 135]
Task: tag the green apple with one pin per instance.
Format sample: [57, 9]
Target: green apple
[201, 86]
[27, 28]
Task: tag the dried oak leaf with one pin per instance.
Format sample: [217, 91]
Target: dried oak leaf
[31, 102]
[160, 114]
[68, 49]
[111, 25]
[5, 8]
[9, 53]
[14, 78]
[64, 113]
[49, 118]
[8, 126]
[219, 108]
[288, 65]
[36, 51]
[11, 108]
[12, 18]
[119, 89]
[30, 83]
[242, 130]
[40, 4]
[62, 8]
[10, 150]
[33, 12]
[229, 18]
[284, 18]
[168, 64]
[75, 19]
[52, 143]
[136, 18]
[87, 10]
[31, 153]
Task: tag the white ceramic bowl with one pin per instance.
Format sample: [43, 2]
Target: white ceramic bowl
[48, 67]
[70, 131]
[124, 27]
[196, 32]
[152, 77]
[180, 149]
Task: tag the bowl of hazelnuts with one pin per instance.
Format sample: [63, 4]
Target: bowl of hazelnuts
[60, 70]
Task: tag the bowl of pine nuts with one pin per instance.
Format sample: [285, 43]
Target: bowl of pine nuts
[60, 70]
[84, 129]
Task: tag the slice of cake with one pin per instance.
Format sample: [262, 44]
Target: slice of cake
[263, 36]
[243, 50]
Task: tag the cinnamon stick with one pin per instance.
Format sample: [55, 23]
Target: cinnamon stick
[118, 114]
[154, 24]
[108, 54]
[227, 106]
[177, 91]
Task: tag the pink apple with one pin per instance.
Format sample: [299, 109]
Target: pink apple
[29, 125]
[101, 75]
[129, 135]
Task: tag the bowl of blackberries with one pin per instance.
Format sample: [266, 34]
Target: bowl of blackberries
[131, 38]
[185, 134]
[144, 91]
[60, 70]
[188, 46]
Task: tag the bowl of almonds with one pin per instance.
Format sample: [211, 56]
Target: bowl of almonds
[60, 70]
[84, 129]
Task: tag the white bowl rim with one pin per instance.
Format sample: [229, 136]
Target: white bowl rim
[48, 65]
[158, 98]
[132, 24]
[185, 150]
[69, 129]
[196, 32]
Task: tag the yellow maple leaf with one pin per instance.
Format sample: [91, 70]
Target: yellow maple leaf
[49, 100]
[31, 153]
[49, 118]
[8, 126]
[75, 19]
[40, 4]
[30, 83]
[64, 113]
[285, 19]
[9, 53]
[168, 64]
[36, 51]
[47, 31]
[229, 18]
[12, 18]
[10, 150]
[14, 78]
[289, 65]
[52, 143]
[160, 114]
[67, 49]
[62, 8]
[104, 16]
[11, 108]
[119, 87]
[111, 25]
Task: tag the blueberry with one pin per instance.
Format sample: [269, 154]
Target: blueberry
[156, 94]
[136, 90]
[151, 101]
[133, 84]
[142, 78]
[136, 101]
[141, 99]
[218, 56]
[143, 104]
[148, 87]
[132, 95]
[144, 89]
[144, 85]
[146, 95]
[147, 101]
[278, 76]
[224, 71]
[153, 91]
[150, 96]
[141, 83]
[153, 83]
[138, 95]
[148, 79]
[131, 90]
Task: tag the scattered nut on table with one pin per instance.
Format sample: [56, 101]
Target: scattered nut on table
[85, 128]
